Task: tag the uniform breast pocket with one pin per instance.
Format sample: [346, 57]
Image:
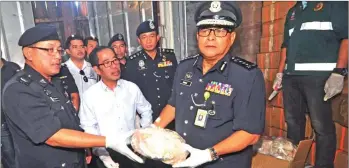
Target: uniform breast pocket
[220, 115]
[57, 108]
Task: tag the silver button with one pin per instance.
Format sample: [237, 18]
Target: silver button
[213, 102]
[186, 122]
[157, 89]
[158, 96]
[185, 134]
[195, 94]
[156, 80]
[191, 107]
[143, 74]
[159, 104]
[200, 80]
[181, 93]
[63, 164]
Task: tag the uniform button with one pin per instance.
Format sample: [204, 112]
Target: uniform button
[181, 93]
[63, 164]
[191, 107]
[186, 122]
[143, 74]
[185, 134]
[159, 104]
[158, 96]
[195, 94]
[200, 80]
[156, 80]
[157, 89]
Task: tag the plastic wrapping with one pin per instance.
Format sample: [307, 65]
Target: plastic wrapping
[159, 144]
[278, 147]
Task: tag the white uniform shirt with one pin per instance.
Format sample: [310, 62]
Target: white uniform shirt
[79, 81]
[104, 111]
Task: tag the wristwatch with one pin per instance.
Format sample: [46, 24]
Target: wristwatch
[214, 154]
[341, 71]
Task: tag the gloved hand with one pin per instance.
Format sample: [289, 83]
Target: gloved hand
[278, 81]
[197, 157]
[118, 142]
[333, 86]
[108, 162]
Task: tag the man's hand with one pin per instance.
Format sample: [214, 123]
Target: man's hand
[197, 157]
[108, 162]
[119, 143]
[278, 81]
[333, 86]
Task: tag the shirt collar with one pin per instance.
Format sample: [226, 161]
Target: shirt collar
[106, 88]
[221, 66]
[36, 76]
[86, 64]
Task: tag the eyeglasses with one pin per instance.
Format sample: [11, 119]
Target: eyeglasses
[221, 32]
[83, 74]
[109, 63]
[50, 51]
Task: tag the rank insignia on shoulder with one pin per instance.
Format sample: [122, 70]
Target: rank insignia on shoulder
[190, 57]
[166, 50]
[244, 63]
[24, 79]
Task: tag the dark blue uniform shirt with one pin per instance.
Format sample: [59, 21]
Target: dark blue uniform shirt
[153, 77]
[36, 109]
[237, 98]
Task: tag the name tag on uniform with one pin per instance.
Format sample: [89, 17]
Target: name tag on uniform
[185, 82]
[201, 118]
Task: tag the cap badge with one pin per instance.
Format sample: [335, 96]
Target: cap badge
[119, 37]
[151, 24]
[215, 6]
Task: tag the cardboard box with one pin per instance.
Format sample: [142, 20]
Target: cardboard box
[265, 161]
[340, 109]
[341, 160]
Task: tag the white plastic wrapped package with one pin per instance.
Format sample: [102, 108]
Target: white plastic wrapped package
[159, 144]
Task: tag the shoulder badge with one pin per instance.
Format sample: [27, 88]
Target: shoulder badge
[24, 79]
[167, 50]
[190, 57]
[244, 63]
[133, 56]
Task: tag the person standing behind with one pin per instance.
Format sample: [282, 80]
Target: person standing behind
[313, 65]
[109, 107]
[8, 69]
[81, 70]
[90, 43]
[117, 42]
[152, 68]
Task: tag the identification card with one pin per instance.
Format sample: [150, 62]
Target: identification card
[201, 118]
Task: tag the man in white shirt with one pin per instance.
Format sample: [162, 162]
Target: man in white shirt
[109, 107]
[80, 69]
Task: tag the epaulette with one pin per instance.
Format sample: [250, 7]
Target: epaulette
[24, 79]
[133, 56]
[244, 63]
[166, 50]
[189, 57]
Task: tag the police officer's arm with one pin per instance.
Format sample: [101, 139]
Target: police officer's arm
[167, 114]
[143, 107]
[29, 111]
[249, 116]
[339, 18]
[72, 88]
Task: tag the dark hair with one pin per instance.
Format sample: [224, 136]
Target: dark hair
[70, 38]
[90, 38]
[93, 58]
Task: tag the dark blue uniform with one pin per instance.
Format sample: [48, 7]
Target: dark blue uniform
[68, 80]
[236, 102]
[36, 109]
[153, 77]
